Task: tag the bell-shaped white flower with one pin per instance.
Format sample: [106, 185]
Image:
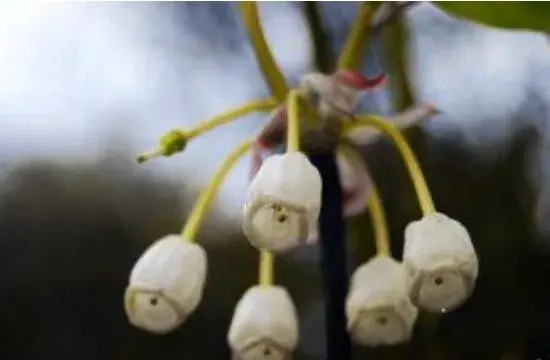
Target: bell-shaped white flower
[166, 284]
[441, 263]
[283, 202]
[264, 325]
[378, 307]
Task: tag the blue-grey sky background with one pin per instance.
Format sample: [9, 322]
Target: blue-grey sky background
[78, 77]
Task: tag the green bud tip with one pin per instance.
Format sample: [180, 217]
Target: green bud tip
[141, 158]
[173, 142]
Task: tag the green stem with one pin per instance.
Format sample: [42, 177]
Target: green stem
[271, 72]
[395, 44]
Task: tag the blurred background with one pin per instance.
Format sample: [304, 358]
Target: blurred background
[85, 86]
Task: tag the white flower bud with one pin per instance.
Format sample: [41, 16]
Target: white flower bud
[440, 261]
[166, 285]
[378, 306]
[283, 202]
[264, 325]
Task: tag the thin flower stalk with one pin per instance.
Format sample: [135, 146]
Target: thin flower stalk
[380, 227]
[421, 187]
[395, 45]
[293, 130]
[374, 205]
[293, 144]
[270, 70]
[353, 51]
[231, 115]
[206, 198]
[176, 140]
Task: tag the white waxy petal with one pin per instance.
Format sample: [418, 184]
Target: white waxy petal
[441, 263]
[378, 306]
[166, 284]
[283, 202]
[264, 325]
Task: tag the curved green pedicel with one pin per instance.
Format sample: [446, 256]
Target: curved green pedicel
[268, 65]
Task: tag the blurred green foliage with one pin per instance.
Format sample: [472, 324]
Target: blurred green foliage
[522, 15]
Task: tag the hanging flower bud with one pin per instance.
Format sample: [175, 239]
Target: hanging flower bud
[264, 326]
[440, 261]
[378, 306]
[166, 284]
[283, 202]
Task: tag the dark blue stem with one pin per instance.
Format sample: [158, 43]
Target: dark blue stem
[333, 258]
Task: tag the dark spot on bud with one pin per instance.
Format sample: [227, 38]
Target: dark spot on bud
[438, 281]
[382, 320]
[153, 301]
